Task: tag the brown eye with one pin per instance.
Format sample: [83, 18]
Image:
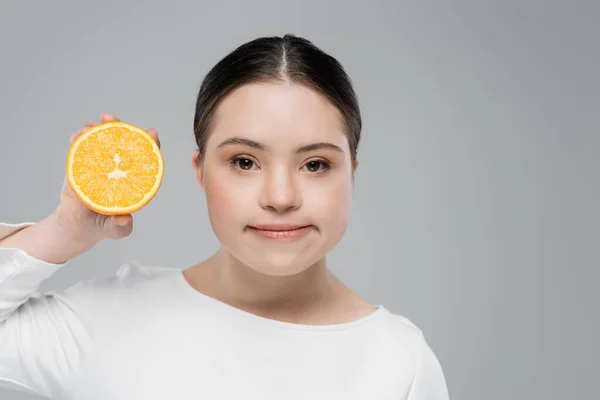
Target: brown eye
[313, 166]
[317, 166]
[244, 163]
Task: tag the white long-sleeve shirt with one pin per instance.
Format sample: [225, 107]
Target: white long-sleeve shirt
[145, 333]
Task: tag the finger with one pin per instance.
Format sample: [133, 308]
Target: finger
[154, 135]
[106, 117]
[122, 220]
[86, 127]
[120, 226]
[81, 130]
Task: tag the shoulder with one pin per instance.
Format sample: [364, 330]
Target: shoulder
[128, 275]
[402, 339]
[397, 339]
[100, 293]
[135, 273]
[399, 330]
[408, 342]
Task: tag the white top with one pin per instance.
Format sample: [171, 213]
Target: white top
[145, 333]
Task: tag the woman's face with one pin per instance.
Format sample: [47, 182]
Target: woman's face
[278, 175]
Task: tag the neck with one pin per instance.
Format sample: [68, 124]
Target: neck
[281, 297]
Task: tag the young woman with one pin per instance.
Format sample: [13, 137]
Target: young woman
[277, 126]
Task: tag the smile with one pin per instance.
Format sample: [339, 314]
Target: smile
[282, 233]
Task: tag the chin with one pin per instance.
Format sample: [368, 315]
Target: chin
[277, 263]
[274, 263]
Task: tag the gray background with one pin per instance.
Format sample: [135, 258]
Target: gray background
[482, 114]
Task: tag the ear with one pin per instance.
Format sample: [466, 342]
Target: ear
[354, 167]
[198, 168]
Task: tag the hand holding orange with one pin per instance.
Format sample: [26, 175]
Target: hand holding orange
[113, 169]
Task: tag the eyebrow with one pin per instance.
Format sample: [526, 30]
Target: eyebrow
[259, 146]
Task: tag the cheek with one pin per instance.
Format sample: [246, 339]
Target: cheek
[330, 205]
[227, 203]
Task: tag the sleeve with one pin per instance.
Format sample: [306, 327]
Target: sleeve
[429, 382]
[42, 336]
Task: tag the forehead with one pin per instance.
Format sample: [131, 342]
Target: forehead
[279, 114]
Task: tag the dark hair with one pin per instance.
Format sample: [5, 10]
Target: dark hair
[287, 58]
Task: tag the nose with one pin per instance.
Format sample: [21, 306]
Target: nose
[280, 192]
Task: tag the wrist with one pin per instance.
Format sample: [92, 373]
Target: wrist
[69, 232]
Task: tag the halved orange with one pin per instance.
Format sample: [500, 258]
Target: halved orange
[115, 168]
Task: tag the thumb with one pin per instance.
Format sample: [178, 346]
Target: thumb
[119, 226]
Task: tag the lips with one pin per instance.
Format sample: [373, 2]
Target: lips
[280, 232]
[278, 227]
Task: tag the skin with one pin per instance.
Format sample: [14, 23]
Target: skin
[246, 186]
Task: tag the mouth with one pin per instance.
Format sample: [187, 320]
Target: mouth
[280, 232]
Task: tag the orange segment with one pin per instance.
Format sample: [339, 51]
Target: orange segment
[115, 168]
